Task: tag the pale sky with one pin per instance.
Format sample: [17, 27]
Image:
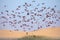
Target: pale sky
[13, 4]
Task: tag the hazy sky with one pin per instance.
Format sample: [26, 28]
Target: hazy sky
[13, 4]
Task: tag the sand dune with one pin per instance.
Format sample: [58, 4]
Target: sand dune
[48, 32]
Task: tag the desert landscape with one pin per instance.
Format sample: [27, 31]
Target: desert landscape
[29, 20]
[47, 32]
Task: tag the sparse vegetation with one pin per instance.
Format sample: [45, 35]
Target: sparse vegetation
[31, 38]
[36, 38]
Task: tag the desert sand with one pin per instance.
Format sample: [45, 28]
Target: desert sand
[48, 32]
